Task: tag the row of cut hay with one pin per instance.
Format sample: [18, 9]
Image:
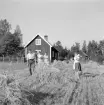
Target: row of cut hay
[10, 92]
[44, 72]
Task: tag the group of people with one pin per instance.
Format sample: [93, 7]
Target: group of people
[34, 58]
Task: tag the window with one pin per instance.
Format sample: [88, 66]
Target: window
[38, 41]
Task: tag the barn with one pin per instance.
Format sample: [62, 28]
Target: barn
[84, 55]
[41, 44]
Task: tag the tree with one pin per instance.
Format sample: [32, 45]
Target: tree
[94, 50]
[84, 47]
[62, 51]
[89, 47]
[10, 45]
[5, 27]
[75, 48]
[18, 33]
[69, 54]
[101, 46]
[58, 46]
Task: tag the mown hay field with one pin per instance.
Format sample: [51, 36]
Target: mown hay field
[54, 84]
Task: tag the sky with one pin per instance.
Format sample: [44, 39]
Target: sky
[68, 21]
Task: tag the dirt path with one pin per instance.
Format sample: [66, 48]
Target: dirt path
[82, 92]
[73, 92]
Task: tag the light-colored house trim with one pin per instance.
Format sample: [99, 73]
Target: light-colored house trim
[25, 52]
[50, 53]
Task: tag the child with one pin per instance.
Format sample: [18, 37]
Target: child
[77, 66]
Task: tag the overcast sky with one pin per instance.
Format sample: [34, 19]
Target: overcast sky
[68, 21]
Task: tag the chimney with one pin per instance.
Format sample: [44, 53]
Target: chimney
[46, 37]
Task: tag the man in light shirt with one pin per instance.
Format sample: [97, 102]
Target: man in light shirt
[31, 60]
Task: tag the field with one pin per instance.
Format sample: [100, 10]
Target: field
[54, 84]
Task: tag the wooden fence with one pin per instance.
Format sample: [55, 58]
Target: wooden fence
[13, 59]
[20, 60]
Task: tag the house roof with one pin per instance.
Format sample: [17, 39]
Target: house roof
[42, 38]
[83, 54]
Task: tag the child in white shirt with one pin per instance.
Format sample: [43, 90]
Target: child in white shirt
[77, 66]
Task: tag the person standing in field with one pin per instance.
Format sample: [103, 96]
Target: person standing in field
[39, 56]
[31, 60]
[77, 66]
[46, 59]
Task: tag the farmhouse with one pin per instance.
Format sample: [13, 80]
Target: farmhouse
[41, 44]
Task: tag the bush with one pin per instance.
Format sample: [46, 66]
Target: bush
[100, 59]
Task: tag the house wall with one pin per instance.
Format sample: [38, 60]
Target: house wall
[44, 47]
[54, 54]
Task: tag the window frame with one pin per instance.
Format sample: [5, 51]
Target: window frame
[38, 42]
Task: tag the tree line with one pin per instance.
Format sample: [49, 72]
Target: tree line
[93, 50]
[11, 45]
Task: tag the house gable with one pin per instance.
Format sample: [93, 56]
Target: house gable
[41, 38]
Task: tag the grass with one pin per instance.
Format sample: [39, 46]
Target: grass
[54, 84]
[13, 66]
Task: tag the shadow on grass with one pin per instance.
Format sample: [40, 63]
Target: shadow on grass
[73, 92]
[36, 97]
[12, 66]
